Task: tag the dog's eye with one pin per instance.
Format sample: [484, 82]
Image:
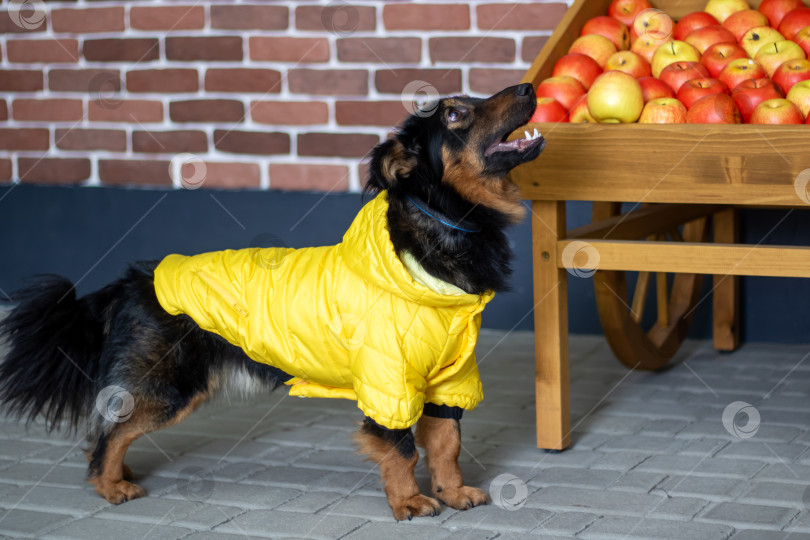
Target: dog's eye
[454, 115]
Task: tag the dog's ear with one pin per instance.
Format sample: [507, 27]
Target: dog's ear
[390, 162]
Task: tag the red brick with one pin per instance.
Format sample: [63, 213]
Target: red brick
[490, 81]
[289, 113]
[220, 48]
[46, 51]
[82, 21]
[3, 110]
[328, 82]
[255, 17]
[308, 177]
[256, 143]
[81, 139]
[472, 49]
[131, 110]
[167, 18]
[338, 19]
[510, 16]
[264, 81]
[532, 46]
[94, 81]
[120, 172]
[163, 80]
[370, 113]
[380, 50]
[5, 170]
[289, 49]
[20, 80]
[25, 21]
[363, 169]
[24, 139]
[53, 170]
[336, 144]
[207, 110]
[426, 17]
[230, 175]
[169, 142]
[47, 110]
[121, 50]
[395, 81]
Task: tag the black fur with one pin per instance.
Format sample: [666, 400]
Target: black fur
[401, 439]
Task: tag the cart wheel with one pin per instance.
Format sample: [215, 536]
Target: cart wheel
[638, 347]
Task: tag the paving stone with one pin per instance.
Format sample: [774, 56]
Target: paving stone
[46, 474]
[312, 502]
[714, 429]
[750, 515]
[639, 482]
[102, 529]
[236, 472]
[308, 436]
[678, 508]
[149, 510]
[495, 518]
[728, 468]
[702, 487]
[18, 523]
[537, 458]
[603, 502]
[617, 528]
[770, 535]
[785, 472]
[410, 530]
[777, 494]
[241, 495]
[272, 523]
[79, 501]
[642, 443]
[207, 516]
[294, 477]
[207, 535]
[336, 460]
[620, 461]
[361, 506]
[703, 447]
[566, 523]
[566, 476]
[457, 533]
[230, 450]
[771, 452]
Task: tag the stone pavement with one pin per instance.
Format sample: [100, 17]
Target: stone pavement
[715, 448]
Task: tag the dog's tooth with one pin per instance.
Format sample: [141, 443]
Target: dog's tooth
[536, 133]
[527, 134]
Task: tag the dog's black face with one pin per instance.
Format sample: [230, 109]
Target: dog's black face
[460, 145]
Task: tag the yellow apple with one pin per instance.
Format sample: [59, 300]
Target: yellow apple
[615, 98]
[757, 37]
[674, 51]
[772, 55]
[723, 9]
[799, 95]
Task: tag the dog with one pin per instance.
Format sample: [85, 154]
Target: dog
[389, 317]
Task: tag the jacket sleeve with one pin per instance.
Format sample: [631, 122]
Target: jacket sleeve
[389, 391]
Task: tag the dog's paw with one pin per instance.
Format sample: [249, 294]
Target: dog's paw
[119, 492]
[416, 506]
[462, 498]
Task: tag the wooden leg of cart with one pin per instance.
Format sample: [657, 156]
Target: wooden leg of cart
[726, 294]
[551, 327]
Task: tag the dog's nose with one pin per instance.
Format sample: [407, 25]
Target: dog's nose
[523, 90]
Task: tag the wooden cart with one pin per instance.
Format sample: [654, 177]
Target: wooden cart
[679, 178]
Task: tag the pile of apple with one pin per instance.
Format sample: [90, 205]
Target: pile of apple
[728, 64]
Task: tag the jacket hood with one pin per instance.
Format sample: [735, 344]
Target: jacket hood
[367, 250]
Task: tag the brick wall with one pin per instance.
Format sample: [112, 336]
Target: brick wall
[275, 94]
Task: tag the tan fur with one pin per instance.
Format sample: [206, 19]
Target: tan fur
[397, 163]
[441, 439]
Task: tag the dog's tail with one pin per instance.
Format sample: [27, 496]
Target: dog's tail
[53, 344]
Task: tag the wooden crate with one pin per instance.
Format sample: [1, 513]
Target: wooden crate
[701, 163]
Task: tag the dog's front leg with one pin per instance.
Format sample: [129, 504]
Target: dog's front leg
[395, 452]
[441, 439]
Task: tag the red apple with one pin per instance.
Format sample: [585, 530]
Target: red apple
[741, 70]
[741, 22]
[615, 97]
[579, 66]
[652, 88]
[802, 39]
[777, 111]
[790, 73]
[775, 10]
[626, 10]
[630, 63]
[674, 51]
[693, 90]
[714, 109]
[597, 47]
[614, 30]
[773, 55]
[566, 90]
[548, 110]
[794, 21]
[646, 47]
[691, 22]
[799, 95]
[653, 23]
[748, 94]
[723, 9]
[663, 111]
[579, 113]
[757, 37]
[705, 37]
[719, 55]
[678, 73]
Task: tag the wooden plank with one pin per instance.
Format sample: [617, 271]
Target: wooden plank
[695, 163]
[726, 290]
[643, 221]
[551, 327]
[696, 258]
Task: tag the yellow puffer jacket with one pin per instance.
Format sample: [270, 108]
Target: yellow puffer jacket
[346, 321]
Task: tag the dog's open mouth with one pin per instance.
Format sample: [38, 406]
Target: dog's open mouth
[529, 141]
